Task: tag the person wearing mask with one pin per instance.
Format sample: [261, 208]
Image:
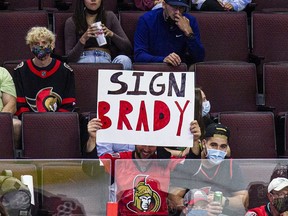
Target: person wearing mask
[278, 200]
[142, 184]
[212, 172]
[202, 109]
[43, 84]
[81, 32]
[182, 37]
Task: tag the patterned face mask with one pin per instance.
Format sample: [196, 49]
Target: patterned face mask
[281, 204]
[41, 52]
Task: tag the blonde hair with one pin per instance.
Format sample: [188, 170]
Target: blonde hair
[36, 34]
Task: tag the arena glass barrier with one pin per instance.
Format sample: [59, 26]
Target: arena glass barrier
[178, 187]
[61, 187]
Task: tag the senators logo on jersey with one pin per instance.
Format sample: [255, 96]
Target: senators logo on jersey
[145, 198]
[46, 101]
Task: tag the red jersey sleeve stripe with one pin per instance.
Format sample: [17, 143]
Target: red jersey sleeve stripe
[63, 110]
[21, 110]
[21, 100]
[68, 100]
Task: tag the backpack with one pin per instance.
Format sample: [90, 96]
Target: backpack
[14, 195]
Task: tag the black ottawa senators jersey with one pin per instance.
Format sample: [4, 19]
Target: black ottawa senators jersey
[47, 89]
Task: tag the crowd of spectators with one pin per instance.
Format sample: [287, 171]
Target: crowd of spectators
[166, 33]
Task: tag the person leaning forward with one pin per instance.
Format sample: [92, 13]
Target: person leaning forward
[168, 35]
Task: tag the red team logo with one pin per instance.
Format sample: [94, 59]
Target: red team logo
[46, 101]
[145, 198]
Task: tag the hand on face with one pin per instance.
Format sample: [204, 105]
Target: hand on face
[183, 24]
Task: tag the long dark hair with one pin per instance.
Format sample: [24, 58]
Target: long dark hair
[79, 16]
[198, 110]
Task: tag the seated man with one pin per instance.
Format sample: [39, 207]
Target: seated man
[168, 35]
[278, 200]
[213, 172]
[43, 84]
[142, 185]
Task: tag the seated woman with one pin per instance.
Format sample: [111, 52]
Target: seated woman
[202, 109]
[80, 36]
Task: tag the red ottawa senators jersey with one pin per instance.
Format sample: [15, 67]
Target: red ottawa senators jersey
[47, 89]
[259, 211]
[140, 190]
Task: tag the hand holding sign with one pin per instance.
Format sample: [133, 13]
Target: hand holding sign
[141, 107]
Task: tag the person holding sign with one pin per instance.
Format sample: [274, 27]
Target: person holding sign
[212, 172]
[147, 180]
[202, 109]
[168, 35]
[95, 124]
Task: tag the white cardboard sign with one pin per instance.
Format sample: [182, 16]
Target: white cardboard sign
[146, 108]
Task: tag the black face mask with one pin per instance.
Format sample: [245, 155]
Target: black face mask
[281, 204]
[92, 12]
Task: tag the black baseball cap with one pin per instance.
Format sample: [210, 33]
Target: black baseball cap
[183, 3]
[217, 130]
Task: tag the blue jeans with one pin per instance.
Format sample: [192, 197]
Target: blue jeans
[98, 56]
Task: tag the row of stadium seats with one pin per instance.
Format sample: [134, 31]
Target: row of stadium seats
[225, 35]
[49, 5]
[230, 86]
[57, 135]
[114, 5]
[234, 92]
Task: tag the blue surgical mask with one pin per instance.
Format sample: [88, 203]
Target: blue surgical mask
[206, 108]
[197, 212]
[40, 52]
[215, 156]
